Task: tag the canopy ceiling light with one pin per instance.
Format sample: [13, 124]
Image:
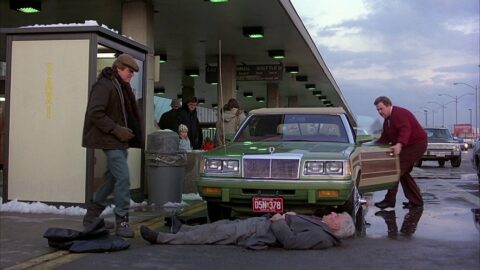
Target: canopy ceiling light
[179, 96]
[163, 58]
[253, 32]
[248, 94]
[322, 98]
[291, 69]
[192, 73]
[310, 86]
[327, 102]
[276, 54]
[216, 1]
[260, 99]
[26, 6]
[317, 93]
[105, 55]
[301, 78]
[201, 101]
[159, 90]
[215, 105]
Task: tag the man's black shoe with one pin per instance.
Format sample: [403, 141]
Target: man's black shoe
[149, 235]
[410, 205]
[384, 204]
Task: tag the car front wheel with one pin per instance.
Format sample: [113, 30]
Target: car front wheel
[456, 162]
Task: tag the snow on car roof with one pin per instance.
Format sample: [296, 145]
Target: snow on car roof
[299, 110]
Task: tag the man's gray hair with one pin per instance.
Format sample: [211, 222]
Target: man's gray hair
[346, 226]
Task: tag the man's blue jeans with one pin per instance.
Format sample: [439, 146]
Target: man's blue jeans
[117, 180]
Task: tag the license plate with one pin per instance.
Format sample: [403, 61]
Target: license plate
[267, 205]
[440, 154]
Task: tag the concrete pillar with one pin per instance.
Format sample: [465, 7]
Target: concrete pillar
[292, 101]
[137, 22]
[273, 100]
[188, 87]
[228, 89]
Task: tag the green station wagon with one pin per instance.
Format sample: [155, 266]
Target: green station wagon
[293, 159]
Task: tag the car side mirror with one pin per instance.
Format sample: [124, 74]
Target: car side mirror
[364, 138]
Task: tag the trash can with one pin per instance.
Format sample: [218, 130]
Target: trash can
[165, 168]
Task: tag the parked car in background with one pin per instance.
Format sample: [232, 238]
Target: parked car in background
[441, 147]
[462, 143]
[293, 159]
[476, 157]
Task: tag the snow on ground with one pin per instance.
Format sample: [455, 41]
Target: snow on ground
[38, 207]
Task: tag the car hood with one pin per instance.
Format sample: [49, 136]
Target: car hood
[306, 149]
[440, 140]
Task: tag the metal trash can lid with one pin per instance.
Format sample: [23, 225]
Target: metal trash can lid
[163, 142]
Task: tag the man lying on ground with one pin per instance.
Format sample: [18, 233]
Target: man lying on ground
[290, 230]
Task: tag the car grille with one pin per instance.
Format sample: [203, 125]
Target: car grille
[449, 146]
[271, 168]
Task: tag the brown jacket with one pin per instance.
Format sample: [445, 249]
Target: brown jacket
[105, 110]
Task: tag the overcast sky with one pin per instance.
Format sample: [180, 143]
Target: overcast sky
[409, 50]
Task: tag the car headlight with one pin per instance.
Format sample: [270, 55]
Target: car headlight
[314, 168]
[317, 167]
[221, 165]
[334, 167]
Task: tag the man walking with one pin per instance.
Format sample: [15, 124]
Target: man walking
[112, 123]
[408, 140]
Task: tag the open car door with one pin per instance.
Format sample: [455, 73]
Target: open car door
[380, 169]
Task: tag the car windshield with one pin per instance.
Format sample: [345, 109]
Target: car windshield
[438, 134]
[293, 127]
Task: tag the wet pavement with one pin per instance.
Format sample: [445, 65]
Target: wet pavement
[444, 235]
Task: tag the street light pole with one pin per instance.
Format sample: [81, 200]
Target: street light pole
[433, 115]
[456, 98]
[443, 106]
[426, 118]
[470, 116]
[477, 125]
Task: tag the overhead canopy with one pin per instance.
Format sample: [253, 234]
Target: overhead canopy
[192, 33]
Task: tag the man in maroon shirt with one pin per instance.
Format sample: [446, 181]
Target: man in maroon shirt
[408, 140]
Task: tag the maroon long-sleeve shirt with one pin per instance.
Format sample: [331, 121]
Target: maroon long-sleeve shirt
[402, 127]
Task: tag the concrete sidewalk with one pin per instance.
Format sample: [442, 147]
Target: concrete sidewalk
[22, 245]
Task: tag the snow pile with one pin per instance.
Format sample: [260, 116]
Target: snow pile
[86, 23]
[42, 208]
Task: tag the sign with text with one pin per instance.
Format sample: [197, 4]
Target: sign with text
[462, 129]
[273, 72]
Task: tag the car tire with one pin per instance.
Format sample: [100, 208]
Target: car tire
[352, 204]
[456, 162]
[418, 163]
[217, 212]
[441, 163]
[360, 223]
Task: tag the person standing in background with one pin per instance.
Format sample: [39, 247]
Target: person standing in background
[168, 120]
[184, 144]
[112, 123]
[187, 115]
[230, 118]
[408, 140]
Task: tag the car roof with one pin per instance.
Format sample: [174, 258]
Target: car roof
[300, 110]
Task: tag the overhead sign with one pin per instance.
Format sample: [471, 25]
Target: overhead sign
[273, 72]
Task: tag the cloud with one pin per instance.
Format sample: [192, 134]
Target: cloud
[410, 50]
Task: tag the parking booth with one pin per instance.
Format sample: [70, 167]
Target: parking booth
[50, 71]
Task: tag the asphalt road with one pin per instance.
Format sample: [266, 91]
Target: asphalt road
[445, 237]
